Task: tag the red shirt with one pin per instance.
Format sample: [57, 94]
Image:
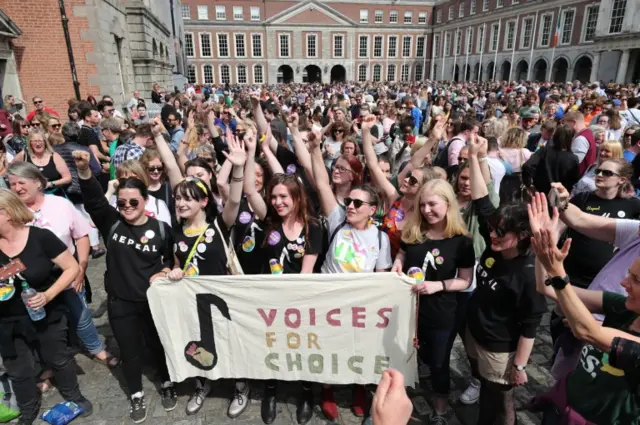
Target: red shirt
[46, 109]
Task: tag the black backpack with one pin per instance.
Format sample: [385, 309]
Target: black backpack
[442, 159]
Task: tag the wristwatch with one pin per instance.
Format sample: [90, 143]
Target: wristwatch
[520, 368]
[557, 282]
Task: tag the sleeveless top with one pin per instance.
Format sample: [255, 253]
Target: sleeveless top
[49, 171]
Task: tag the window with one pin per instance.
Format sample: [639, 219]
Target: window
[495, 28]
[485, 5]
[362, 73]
[591, 21]
[408, 17]
[469, 41]
[480, 45]
[238, 13]
[256, 45]
[338, 46]
[363, 46]
[393, 17]
[221, 14]
[438, 16]
[436, 45]
[515, 1]
[499, 3]
[203, 12]
[364, 16]
[617, 16]
[284, 45]
[191, 74]
[378, 17]
[188, 45]
[207, 71]
[472, 7]
[511, 34]
[458, 41]
[545, 30]
[422, 17]
[255, 13]
[377, 46]
[418, 72]
[527, 33]
[461, 10]
[393, 46]
[225, 74]
[450, 12]
[241, 51]
[186, 11]
[223, 45]
[205, 45]
[406, 46]
[420, 47]
[391, 73]
[258, 75]
[447, 44]
[241, 73]
[404, 73]
[377, 73]
[567, 26]
[311, 45]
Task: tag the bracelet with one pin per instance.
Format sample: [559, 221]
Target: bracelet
[237, 179]
[444, 286]
[264, 136]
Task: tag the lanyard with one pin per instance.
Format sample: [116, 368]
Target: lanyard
[193, 250]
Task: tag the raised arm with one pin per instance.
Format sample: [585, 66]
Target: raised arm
[253, 197]
[323, 186]
[301, 151]
[478, 168]
[169, 161]
[417, 159]
[237, 156]
[269, 155]
[261, 121]
[377, 176]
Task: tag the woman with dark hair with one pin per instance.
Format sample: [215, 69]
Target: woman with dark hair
[92, 100]
[74, 113]
[139, 250]
[17, 141]
[200, 248]
[333, 143]
[505, 309]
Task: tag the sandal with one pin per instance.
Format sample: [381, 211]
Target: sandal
[110, 361]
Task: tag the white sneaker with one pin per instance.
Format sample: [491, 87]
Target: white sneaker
[472, 394]
[240, 400]
[203, 387]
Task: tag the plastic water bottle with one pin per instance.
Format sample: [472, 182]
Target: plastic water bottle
[27, 294]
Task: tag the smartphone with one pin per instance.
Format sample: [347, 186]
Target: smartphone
[554, 198]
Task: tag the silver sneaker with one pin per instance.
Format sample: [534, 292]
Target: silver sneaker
[203, 388]
[472, 394]
[240, 401]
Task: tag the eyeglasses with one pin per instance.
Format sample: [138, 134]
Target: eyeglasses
[109, 110]
[606, 173]
[132, 202]
[37, 102]
[156, 169]
[357, 203]
[341, 169]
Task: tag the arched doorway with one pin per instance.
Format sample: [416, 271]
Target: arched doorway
[540, 70]
[456, 73]
[467, 72]
[505, 70]
[285, 74]
[312, 74]
[490, 71]
[559, 70]
[477, 72]
[338, 74]
[522, 69]
[582, 69]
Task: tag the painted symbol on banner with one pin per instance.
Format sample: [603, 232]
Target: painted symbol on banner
[202, 354]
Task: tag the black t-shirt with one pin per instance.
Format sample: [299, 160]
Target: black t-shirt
[281, 255]
[209, 258]
[289, 162]
[249, 238]
[439, 260]
[588, 256]
[88, 137]
[42, 247]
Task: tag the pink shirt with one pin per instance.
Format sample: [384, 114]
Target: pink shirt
[515, 157]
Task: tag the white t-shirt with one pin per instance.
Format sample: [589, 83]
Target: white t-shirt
[498, 171]
[355, 251]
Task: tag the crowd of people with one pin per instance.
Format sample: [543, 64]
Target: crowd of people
[445, 182]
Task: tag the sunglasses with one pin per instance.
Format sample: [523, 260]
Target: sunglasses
[628, 135]
[29, 126]
[357, 203]
[339, 131]
[461, 159]
[412, 180]
[37, 102]
[132, 202]
[56, 126]
[605, 173]
[156, 169]
[494, 226]
[36, 124]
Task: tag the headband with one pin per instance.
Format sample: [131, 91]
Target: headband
[198, 183]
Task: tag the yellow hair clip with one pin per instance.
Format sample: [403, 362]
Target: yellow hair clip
[198, 183]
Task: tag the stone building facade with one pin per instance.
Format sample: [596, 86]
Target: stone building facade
[118, 46]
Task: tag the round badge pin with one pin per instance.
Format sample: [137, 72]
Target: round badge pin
[291, 169]
[201, 248]
[183, 247]
[144, 239]
[416, 274]
[439, 260]
[150, 234]
[435, 252]
[621, 214]
[208, 239]
[244, 217]
[274, 238]
[209, 233]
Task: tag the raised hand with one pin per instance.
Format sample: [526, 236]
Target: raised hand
[191, 120]
[439, 129]
[368, 122]
[478, 146]
[547, 252]
[81, 159]
[292, 121]
[563, 194]
[314, 139]
[157, 127]
[250, 141]
[539, 218]
[237, 154]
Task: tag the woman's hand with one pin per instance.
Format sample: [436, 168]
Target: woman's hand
[313, 137]
[427, 288]
[38, 301]
[250, 141]
[157, 128]
[176, 274]
[81, 159]
[548, 253]
[367, 123]
[191, 120]
[439, 129]
[112, 186]
[292, 121]
[237, 155]
[478, 146]
[563, 194]
[159, 275]
[397, 267]
[391, 405]
[539, 218]
[518, 377]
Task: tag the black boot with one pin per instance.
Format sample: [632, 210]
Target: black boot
[305, 406]
[268, 408]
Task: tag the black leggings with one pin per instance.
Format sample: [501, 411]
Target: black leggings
[132, 323]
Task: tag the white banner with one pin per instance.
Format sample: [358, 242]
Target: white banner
[329, 328]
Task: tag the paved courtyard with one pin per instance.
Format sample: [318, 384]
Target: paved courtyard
[105, 388]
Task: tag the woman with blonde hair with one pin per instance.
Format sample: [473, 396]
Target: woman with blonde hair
[437, 251]
[611, 149]
[514, 152]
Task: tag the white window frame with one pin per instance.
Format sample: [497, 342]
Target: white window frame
[360, 37]
[415, 72]
[307, 38]
[235, 44]
[410, 38]
[562, 23]
[373, 72]
[360, 67]
[506, 45]
[391, 66]
[381, 38]
[204, 74]
[524, 33]
[246, 73]
[461, 10]
[333, 46]
[408, 18]
[485, 5]
[261, 74]
[472, 7]
[203, 12]
[610, 20]
[404, 67]
[495, 35]
[378, 17]
[255, 16]
[469, 41]
[480, 39]
[450, 13]
[422, 18]
[288, 36]
[221, 13]
[446, 48]
[238, 16]
[261, 46]
[457, 43]
[200, 36]
[393, 16]
[515, 1]
[185, 8]
[436, 45]
[585, 22]
[421, 54]
[220, 73]
[541, 30]
[499, 4]
[395, 52]
[195, 73]
[193, 45]
[364, 16]
[438, 16]
[228, 44]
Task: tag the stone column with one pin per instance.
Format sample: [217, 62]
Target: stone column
[622, 66]
[595, 66]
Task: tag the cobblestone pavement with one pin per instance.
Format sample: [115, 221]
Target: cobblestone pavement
[106, 388]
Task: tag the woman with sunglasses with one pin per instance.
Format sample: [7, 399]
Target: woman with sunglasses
[199, 248]
[343, 256]
[505, 309]
[437, 251]
[16, 142]
[53, 125]
[627, 141]
[40, 153]
[333, 144]
[139, 249]
[159, 187]
[608, 150]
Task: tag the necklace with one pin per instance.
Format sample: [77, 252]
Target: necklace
[190, 232]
